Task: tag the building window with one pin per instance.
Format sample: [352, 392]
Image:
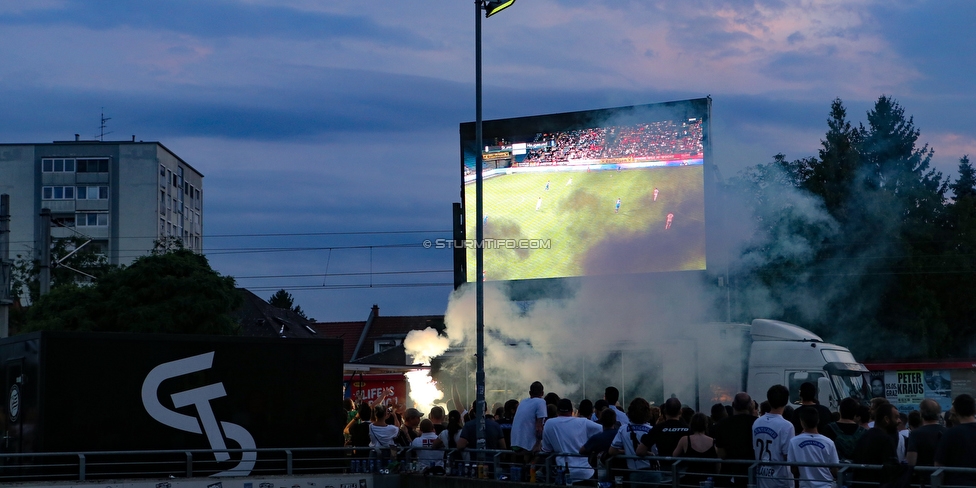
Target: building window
[89, 219]
[92, 193]
[162, 171]
[63, 221]
[57, 165]
[58, 193]
[93, 165]
[381, 345]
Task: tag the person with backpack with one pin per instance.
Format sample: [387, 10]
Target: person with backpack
[846, 431]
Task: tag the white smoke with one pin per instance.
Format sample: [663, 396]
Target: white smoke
[422, 346]
[626, 330]
[576, 346]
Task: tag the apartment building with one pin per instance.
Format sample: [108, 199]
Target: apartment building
[123, 195]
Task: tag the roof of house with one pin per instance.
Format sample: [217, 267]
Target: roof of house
[258, 318]
[380, 327]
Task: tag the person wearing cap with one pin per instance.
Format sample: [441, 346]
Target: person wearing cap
[411, 421]
[568, 433]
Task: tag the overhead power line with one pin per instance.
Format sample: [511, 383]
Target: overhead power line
[363, 233]
[300, 234]
[361, 273]
[349, 286]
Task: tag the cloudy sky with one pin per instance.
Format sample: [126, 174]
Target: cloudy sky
[327, 131]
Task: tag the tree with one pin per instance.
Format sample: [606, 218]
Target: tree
[833, 176]
[868, 270]
[895, 166]
[73, 261]
[283, 299]
[958, 287]
[167, 292]
[965, 184]
[903, 204]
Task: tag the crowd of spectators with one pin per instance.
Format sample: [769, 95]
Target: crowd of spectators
[614, 444]
[650, 140]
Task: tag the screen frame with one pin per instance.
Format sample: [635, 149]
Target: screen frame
[501, 128]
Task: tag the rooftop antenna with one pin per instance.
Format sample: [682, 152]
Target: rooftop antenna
[101, 128]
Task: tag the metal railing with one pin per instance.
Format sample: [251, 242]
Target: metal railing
[471, 463]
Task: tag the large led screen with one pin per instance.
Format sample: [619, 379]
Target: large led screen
[600, 192]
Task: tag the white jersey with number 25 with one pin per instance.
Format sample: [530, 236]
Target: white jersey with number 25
[771, 436]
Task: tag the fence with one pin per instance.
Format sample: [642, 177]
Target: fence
[488, 466]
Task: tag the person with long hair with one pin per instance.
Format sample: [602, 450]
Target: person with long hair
[697, 445]
[450, 435]
[381, 434]
[628, 439]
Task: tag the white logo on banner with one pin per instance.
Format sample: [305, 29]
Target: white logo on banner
[199, 398]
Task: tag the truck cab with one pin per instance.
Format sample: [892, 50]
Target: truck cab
[786, 354]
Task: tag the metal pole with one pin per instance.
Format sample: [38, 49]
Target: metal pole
[44, 253]
[479, 234]
[5, 267]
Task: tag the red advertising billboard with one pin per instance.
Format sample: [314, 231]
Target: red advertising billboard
[368, 387]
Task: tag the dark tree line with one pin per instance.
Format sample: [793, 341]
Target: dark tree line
[171, 290]
[865, 243]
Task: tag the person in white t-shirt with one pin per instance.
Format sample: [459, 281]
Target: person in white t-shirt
[771, 436]
[381, 434]
[529, 418]
[567, 433]
[811, 447]
[427, 458]
[628, 439]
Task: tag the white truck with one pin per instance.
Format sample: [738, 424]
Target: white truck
[727, 358]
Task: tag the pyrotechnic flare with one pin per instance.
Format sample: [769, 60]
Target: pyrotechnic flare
[424, 345]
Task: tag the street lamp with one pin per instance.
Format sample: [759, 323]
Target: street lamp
[490, 8]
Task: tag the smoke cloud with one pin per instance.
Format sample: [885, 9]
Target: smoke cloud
[604, 334]
[636, 332]
[422, 346]
[630, 331]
